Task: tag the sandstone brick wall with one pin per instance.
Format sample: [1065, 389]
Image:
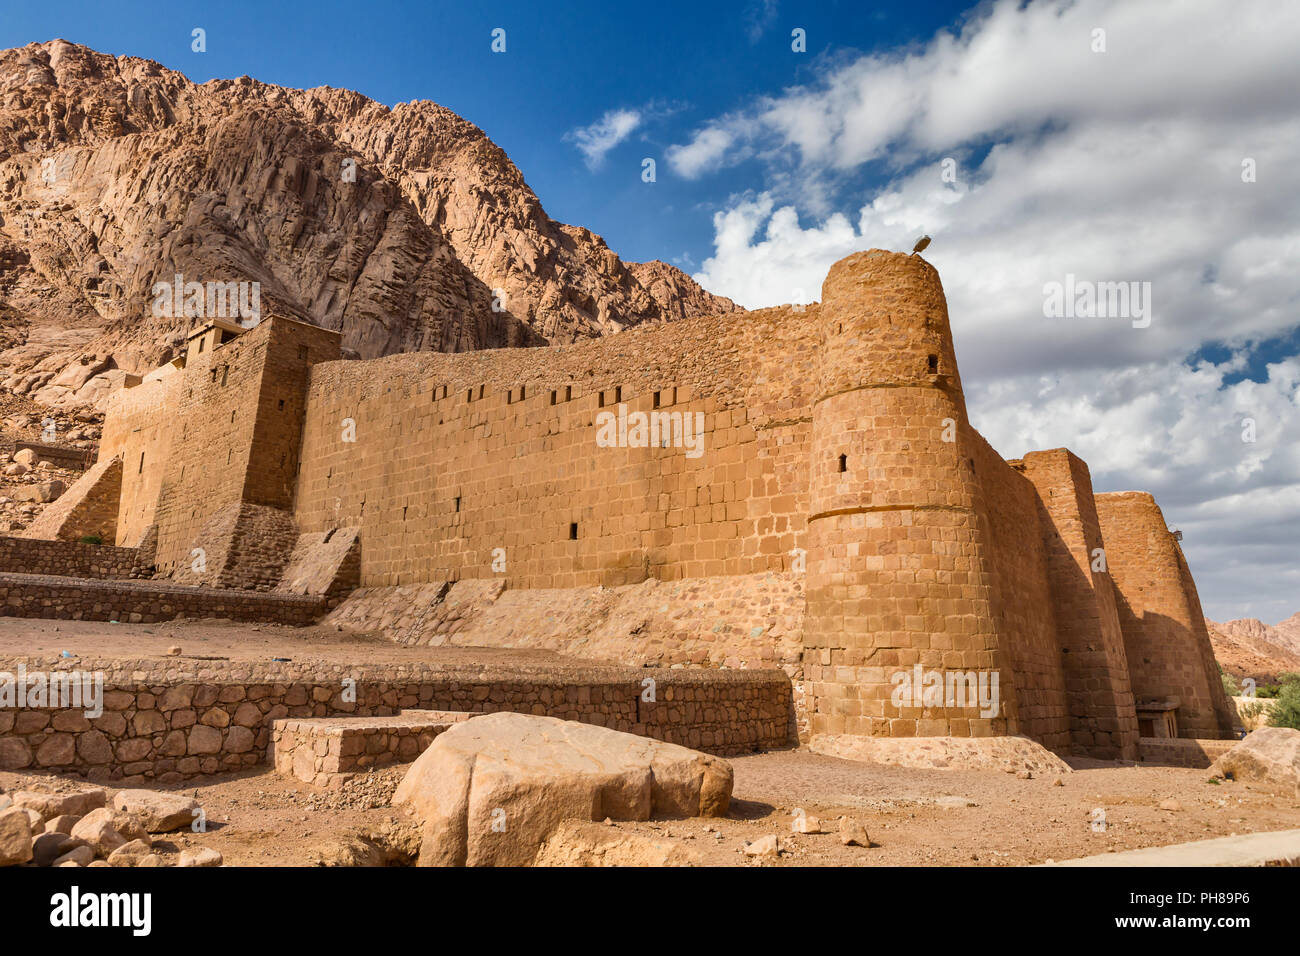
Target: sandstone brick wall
[1182, 751]
[458, 455]
[70, 558]
[88, 508]
[1024, 608]
[243, 546]
[1103, 718]
[899, 572]
[84, 599]
[138, 428]
[169, 720]
[1167, 644]
[223, 431]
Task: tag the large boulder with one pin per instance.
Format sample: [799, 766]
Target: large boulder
[490, 791]
[1268, 755]
[15, 837]
[53, 805]
[159, 812]
[96, 829]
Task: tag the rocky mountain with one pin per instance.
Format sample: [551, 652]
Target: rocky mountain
[1247, 647]
[405, 228]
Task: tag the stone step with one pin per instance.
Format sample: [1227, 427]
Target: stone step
[328, 751]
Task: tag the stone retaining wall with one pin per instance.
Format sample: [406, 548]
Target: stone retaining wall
[328, 751]
[147, 602]
[1197, 753]
[168, 720]
[68, 559]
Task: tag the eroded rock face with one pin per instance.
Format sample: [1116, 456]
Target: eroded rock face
[492, 790]
[1269, 755]
[397, 227]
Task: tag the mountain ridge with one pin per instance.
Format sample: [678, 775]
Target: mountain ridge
[405, 228]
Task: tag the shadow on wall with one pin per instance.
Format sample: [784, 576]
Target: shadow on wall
[1165, 660]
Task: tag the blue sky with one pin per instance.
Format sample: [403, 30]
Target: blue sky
[565, 65]
[1105, 140]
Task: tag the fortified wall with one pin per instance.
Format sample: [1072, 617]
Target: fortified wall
[794, 487]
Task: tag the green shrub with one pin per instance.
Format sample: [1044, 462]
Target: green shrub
[1286, 709]
[1230, 685]
[91, 539]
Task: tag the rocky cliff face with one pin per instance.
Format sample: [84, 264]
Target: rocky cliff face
[404, 229]
[1249, 647]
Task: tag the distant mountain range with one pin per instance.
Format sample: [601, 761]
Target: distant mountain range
[1248, 647]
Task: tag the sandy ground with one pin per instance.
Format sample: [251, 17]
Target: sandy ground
[258, 818]
[262, 819]
[238, 641]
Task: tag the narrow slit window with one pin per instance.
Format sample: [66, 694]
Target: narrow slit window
[933, 361]
[844, 462]
[573, 531]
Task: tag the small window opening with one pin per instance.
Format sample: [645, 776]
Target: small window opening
[554, 396]
[618, 394]
[458, 502]
[573, 531]
[282, 404]
[568, 393]
[844, 462]
[933, 362]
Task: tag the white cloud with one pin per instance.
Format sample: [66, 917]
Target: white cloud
[703, 153]
[1121, 166]
[600, 137]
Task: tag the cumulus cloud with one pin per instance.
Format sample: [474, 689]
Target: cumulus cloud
[597, 139]
[1125, 166]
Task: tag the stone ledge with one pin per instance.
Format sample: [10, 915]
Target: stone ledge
[1196, 753]
[87, 599]
[329, 751]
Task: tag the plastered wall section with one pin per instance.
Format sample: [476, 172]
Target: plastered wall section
[457, 456]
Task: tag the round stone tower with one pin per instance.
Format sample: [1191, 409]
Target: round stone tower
[896, 573]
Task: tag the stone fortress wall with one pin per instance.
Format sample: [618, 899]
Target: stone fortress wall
[839, 518]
